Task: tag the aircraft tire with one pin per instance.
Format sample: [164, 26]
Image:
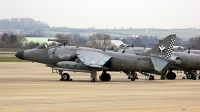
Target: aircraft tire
[132, 79]
[173, 75]
[105, 77]
[93, 80]
[169, 76]
[162, 77]
[194, 78]
[189, 76]
[61, 79]
[65, 77]
[151, 77]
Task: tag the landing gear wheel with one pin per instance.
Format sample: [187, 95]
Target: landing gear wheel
[189, 76]
[199, 77]
[65, 77]
[132, 79]
[151, 77]
[105, 77]
[93, 80]
[171, 76]
[194, 78]
[162, 77]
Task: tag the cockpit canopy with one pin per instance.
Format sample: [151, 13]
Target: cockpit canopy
[48, 44]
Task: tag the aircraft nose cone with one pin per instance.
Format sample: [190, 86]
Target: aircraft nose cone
[20, 55]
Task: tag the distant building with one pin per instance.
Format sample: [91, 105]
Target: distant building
[134, 35]
[117, 43]
[66, 41]
[39, 40]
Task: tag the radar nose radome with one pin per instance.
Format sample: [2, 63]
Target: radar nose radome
[20, 55]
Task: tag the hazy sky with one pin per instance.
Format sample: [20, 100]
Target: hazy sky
[106, 13]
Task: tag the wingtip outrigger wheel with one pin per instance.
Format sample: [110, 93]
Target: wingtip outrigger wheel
[93, 80]
[93, 75]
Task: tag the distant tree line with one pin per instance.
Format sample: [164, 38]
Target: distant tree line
[194, 43]
[12, 41]
[97, 39]
[141, 41]
[150, 41]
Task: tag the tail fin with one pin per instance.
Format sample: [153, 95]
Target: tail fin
[163, 49]
[161, 53]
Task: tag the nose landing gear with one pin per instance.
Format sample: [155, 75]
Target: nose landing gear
[64, 76]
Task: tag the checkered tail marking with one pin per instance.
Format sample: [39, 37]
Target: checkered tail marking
[171, 45]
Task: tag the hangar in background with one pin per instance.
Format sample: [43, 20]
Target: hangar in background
[117, 43]
[39, 40]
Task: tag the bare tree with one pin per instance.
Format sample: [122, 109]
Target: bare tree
[62, 36]
[77, 39]
[31, 45]
[100, 39]
[66, 39]
[6, 38]
[13, 38]
[116, 38]
[195, 42]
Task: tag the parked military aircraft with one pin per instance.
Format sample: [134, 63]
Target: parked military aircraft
[190, 61]
[82, 59]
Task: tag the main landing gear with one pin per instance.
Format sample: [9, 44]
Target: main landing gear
[192, 74]
[93, 75]
[130, 75]
[171, 75]
[105, 76]
[64, 76]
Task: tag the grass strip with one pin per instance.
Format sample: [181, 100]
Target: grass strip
[11, 59]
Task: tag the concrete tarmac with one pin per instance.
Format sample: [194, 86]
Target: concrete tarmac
[26, 87]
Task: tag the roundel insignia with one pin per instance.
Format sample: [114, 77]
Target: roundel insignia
[51, 56]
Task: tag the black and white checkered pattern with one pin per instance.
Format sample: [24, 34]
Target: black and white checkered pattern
[169, 51]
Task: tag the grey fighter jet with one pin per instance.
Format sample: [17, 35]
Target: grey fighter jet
[83, 59]
[190, 61]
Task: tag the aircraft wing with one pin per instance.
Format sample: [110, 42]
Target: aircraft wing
[92, 58]
[158, 64]
[173, 57]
